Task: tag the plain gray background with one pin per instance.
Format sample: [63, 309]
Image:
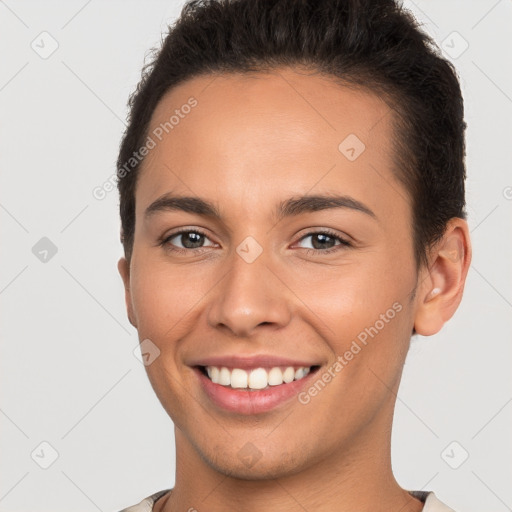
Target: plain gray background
[69, 376]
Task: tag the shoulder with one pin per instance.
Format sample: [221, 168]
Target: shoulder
[146, 505]
[432, 502]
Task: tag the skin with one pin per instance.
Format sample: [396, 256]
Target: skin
[251, 142]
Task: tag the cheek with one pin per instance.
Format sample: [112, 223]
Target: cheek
[163, 299]
[369, 312]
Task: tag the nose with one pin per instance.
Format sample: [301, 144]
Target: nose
[250, 295]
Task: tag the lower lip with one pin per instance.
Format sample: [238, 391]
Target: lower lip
[248, 402]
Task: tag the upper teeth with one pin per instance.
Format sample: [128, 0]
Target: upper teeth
[258, 378]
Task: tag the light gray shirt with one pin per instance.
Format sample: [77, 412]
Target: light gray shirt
[432, 504]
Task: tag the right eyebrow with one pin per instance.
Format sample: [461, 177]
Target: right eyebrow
[195, 205]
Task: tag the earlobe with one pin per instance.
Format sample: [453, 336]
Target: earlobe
[123, 266]
[443, 282]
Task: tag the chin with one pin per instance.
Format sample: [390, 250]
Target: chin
[250, 464]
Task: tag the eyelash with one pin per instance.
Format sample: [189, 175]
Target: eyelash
[343, 243]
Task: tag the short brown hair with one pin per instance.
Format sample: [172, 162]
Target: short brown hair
[374, 44]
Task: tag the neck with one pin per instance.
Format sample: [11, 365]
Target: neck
[356, 478]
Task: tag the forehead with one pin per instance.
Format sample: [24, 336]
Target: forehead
[296, 130]
[275, 105]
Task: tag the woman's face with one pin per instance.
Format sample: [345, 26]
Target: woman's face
[267, 282]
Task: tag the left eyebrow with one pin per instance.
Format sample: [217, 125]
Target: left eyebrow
[313, 203]
[290, 207]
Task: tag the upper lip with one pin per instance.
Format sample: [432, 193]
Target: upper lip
[253, 361]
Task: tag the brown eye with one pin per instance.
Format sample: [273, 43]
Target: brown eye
[186, 240]
[324, 242]
[190, 239]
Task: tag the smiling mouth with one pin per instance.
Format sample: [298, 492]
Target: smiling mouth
[256, 379]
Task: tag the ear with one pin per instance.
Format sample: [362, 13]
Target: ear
[124, 270]
[442, 283]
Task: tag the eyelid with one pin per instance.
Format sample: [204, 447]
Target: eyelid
[326, 231]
